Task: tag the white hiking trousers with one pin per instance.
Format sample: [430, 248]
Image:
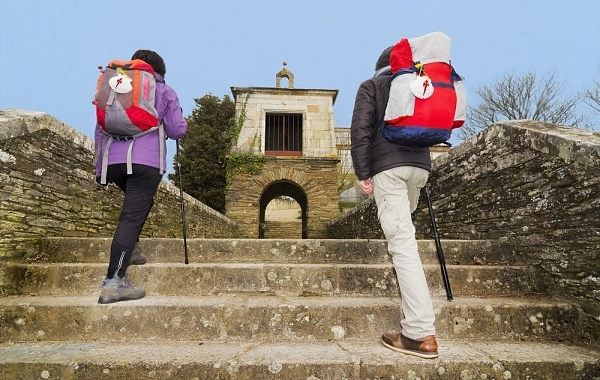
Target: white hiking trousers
[396, 193]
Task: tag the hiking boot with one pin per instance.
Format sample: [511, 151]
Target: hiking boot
[423, 347]
[136, 256]
[119, 289]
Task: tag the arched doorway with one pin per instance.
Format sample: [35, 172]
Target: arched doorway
[279, 189]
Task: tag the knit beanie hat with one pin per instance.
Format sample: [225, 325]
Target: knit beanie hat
[384, 59]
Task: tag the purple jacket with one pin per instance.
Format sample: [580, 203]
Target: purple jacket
[146, 149]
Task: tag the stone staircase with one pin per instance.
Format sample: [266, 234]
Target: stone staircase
[282, 309]
[275, 229]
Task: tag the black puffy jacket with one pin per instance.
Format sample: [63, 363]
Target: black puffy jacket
[371, 152]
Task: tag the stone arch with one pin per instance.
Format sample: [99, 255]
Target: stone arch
[284, 73]
[283, 188]
[314, 178]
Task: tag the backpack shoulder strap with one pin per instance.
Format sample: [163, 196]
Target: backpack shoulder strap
[105, 161]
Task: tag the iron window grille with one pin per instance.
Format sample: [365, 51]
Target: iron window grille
[283, 134]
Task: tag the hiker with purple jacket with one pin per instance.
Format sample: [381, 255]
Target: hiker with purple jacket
[147, 160]
[395, 174]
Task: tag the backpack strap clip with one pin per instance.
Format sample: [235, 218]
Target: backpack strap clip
[123, 138]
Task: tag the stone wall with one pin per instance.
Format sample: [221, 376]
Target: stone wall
[48, 188]
[533, 186]
[317, 178]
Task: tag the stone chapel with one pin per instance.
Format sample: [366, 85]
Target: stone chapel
[294, 130]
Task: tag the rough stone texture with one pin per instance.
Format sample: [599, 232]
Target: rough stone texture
[360, 222]
[270, 318]
[48, 188]
[316, 107]
[346, 360]
[291, 251]
[283, 230]
[276, 279]
[282, 309]
[315, 178]
[534, 186]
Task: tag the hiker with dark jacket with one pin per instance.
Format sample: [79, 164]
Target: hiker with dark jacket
[395, 174]
[140, 186]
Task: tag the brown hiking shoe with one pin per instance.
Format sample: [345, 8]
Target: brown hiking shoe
[423, 348]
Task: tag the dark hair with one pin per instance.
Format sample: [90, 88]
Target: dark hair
[153, 59]
[384, 59]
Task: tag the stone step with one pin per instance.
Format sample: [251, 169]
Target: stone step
[164, 250]
[361, 359]
[272, 318]
[274, 279]
[283, 230]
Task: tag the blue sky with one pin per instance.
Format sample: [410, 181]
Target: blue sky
[50, 50]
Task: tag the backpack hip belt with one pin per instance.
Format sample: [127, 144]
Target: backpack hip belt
[105, 153]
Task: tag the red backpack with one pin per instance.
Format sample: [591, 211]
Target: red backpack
[427, 97]
[125, 106]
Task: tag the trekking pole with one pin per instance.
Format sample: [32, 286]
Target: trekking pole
[438, 247]
[181, 201]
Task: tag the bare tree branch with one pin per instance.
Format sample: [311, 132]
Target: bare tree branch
[591, 96]
[526, 96]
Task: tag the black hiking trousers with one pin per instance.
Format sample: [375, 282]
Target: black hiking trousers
[139, 188]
